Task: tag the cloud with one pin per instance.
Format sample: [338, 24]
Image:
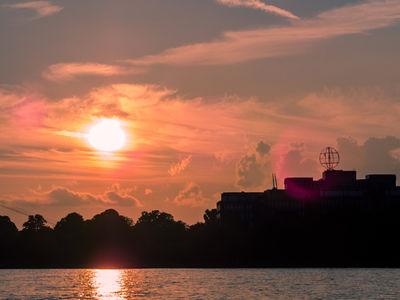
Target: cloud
[257, 4]
[224, 157]
[253, 169]
[125, 200]
[158, 117]
[250, 171]
[177, 168]
[69, 71]
[294, 164]
[21, 109]
[191, 195]
[375, 155]
[360, 112]
[263, 148]
[241, 46]
[162, 125]
[7, 155]
[41, 8]
[63, 196]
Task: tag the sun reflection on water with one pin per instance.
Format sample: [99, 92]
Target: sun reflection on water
[108, 284]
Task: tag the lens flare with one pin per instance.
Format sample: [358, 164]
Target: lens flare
[107, 135]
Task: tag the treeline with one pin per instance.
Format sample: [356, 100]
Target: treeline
[157, 240]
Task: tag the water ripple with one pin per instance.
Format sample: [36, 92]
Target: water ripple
[201, 284]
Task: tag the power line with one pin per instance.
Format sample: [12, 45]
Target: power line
[21, 212]
[14, 210]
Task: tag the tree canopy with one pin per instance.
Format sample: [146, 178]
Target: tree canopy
[35, 223]
[158, 240]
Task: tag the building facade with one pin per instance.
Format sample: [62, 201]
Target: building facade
[338, 192]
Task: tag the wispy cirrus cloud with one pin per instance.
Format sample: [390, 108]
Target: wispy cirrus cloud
[241, 46]
[41, 8]
[259, 5]
[180, 166]
[68, 71]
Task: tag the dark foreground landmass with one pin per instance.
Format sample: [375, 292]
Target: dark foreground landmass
[157, 240]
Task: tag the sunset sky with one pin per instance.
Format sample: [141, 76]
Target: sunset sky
[211, 96]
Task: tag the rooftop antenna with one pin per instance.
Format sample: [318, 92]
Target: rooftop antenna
[329, 158]
[274, 182]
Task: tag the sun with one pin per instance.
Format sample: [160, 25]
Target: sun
[107, 135]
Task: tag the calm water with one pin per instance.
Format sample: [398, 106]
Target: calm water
[201, 284]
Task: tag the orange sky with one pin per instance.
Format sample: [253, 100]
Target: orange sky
[260, 88]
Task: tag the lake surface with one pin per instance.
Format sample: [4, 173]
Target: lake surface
[201, 284]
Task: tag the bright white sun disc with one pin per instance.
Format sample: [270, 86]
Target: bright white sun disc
[107, 135]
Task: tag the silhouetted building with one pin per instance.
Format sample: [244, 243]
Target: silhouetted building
[337, 192]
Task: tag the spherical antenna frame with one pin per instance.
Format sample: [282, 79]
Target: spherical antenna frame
[329, 158]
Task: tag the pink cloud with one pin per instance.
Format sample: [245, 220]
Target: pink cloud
[177, 168]
[241, 46]
[253, 170]
[22, 109]
[59, 195]
[42, 8]
[191, 195]
[68, 71]
[161, 125]
[257, 4]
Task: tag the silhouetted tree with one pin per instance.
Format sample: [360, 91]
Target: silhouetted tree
[35, 244]
[160, 223]
[108, 235]
[155, 217]
[7, 227]
[8, 234]
[73, 222]
[110, 221]
[157, 230]
[71, 241]
[35, 223]
[210, 216]
[342, 238]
